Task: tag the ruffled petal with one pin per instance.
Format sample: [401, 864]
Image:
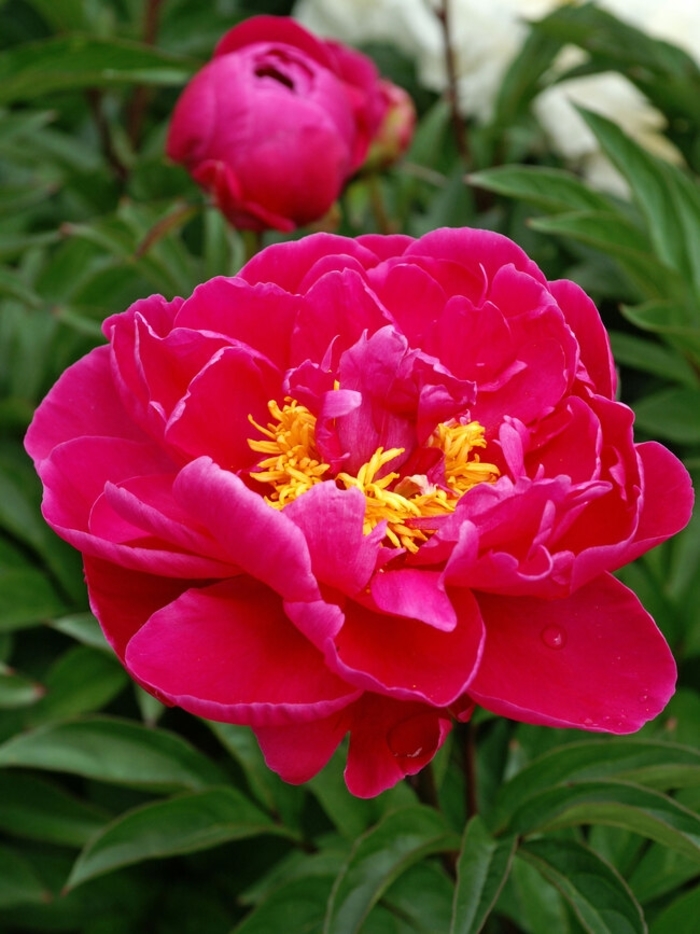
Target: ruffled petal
[332, 520]
[256, 537]
[229, 652]
[407, 658]
[123, 600]
[213, 418]
[297, 751]
[389, 740]
[667, 500]
[83, 402]
[594, 660]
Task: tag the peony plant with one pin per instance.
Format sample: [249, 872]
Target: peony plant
[278, 121]
[359, 488]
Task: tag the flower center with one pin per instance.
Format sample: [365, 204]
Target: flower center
[293, 465]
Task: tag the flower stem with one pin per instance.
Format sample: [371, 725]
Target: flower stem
[252, 242]
[424, 786]
[142, 94]
[378, 207]
[459, 129]
[94, 99]
[469, 752]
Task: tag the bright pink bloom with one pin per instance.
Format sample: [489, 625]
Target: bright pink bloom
[359, 488]
[276, 123]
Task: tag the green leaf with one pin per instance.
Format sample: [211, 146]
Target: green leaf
[669, 200]
[673, 414]
[18, 197]
[185, 824]
[81, 680]
[17, 691]
[532, 904]
[40, 810]
[351, 815]
[241, 743]
[13, 286]
[552, 190]
[616, 804]
[659, 872]
[617, 237]
[26, 598]
[422, 899]
[83, 627]
[72, 62]
[297, 906]
[668, 319]
[117, 751]
[524, 78]
[651, 357]
[661, 765]
[681, 916]
[597, 894]
[401, 839]
[483, 867]
[63, 14]
[19, 884]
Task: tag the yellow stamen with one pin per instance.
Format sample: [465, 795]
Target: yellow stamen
[458, 441]
[294, 465]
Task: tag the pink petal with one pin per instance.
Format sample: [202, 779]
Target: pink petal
[338, 307]
[261, 316]
[147, 506]
[123, 600]
[406, 658]
[414, 298]
[390, 739]
[228, 652]
[585, 321]
[594, 660]
[274, 29]
[75, 476]
[76, 472]
[385, 246]
[667, 499]
[288, 264]
[418, 594]
[212, 419]
[318, 620]
[259, 539]
[297, 751]
[84, 401]
[471, 247]
[332, 520]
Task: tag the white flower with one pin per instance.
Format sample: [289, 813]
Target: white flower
[486, 37]
[410, 25]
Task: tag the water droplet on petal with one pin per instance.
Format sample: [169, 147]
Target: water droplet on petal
[414, 739]
[554, 637]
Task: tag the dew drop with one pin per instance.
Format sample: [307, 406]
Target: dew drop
[414, 739]
[554, 637]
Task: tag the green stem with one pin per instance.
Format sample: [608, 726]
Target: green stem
[252, 242]
[460, 132]
[469, 752]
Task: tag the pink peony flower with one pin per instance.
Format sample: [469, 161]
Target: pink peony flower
[276, 123]
[359, 488]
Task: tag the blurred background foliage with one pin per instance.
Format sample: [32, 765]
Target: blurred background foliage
[117, 815]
